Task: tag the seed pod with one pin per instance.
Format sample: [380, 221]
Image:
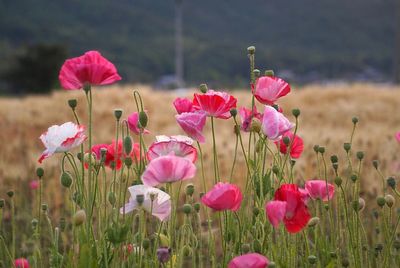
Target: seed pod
[40, 172]
[251, 50]
[381, 201]
[233, 112]
[187, 209]
[354, 120]
[360, 155]
[391, 182]
[316, 148]
[389, 200]
[72, 103]
[190, 189]
[334, 159]
[321, 149]
[79, 217]
[10, 193]
[117, 114]
[353, 178]
[196, 207]
[296, 112]
[286, 140]
[347, 146]
[203, 88]
[338, 181]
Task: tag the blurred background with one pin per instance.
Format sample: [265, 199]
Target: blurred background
[175, 43]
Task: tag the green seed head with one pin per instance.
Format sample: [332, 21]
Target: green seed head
[334, 159]
[187, 209]
[321, 149]
[360, 155]
[354, 120]
[128, 145]
[375, 163]
[269, 73]
[203, 88]
[118, 114]
[196, 207]
[40, 172]
[72, 103]
[10, 193]
[296, 112]
[245, 248]
[347, 146]
[381, 201]
[190, 189]
[338, 181]
[312, 259]
[391, 182]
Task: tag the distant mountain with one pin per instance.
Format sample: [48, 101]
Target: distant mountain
[300, 38]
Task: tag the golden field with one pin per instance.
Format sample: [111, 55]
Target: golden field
[325, 119]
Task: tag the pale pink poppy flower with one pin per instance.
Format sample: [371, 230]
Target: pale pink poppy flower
[269, 89]
[179, 148]
[250, 260]
[160, 206]
[223, 196]
[193, 124]
[62, 138]
[246, 115]
[133, 121]
[274, 124]
[397, 136]
[34, 184]
[168, 168]
[180, 138]
[91, 68]
[21, 263]
[319, 189]
[215, 103]
[183, 105]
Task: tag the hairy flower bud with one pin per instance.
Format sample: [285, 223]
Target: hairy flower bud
[381, 201]
[127, 145]
[66, 179]
[187, 209]
[296, 112]
[313, 222]
[269, 73]
[203, 88]
[360, 155]
[40, 172]
[111, 198]
[79, 217]
[389, 200]
[255, 125]
[128, 162]
[190, 189]
[143, 119]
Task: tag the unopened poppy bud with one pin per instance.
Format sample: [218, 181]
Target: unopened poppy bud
[111, 198]
[10, 193]
[251, 50]
[40, 172]
[146, 243]
[381, 201]
[257, 73]
[286, 140]
[275, 169]
[233, 112]
[354, 120]
[66, 179]
[203, 88]
[140, 199]
[271, 264]
[334, 159]
[128, 161]
[313, 222]
[62, 224]
[186, 251]
[76, 197]
[389, 200]
[360, 155]
[391, 182]
[44, 207]
[296, 112]
[245, 248]
[72, 103]
[354, 178]
[346, 146]
[375, 163]
[257, 246]
[187, 209]
[89, 157]
[256, 211]
[117, 114]
[143, 119]
[321, 149]
[34, 223]
[312, 259]
[190, 189]
[269, 73]
[127, 145]
[315, 148]
[338, 181]
[196, 207]
[79, 217]
[2, 202]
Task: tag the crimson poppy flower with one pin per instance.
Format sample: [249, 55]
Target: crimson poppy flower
[297, 145]
[90, 68]
[288, 207]
[269, 89]
[215, 103]
[223, 196]
[183, 105]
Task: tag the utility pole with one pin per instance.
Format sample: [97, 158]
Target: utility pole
[178, 44]
[397, 44]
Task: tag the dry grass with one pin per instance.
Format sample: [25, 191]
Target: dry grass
[326, 113]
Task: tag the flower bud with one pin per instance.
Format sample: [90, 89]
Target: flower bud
[143, 119]
[256, 73]
[338, 181]
[79, 156]
[354, 178]
[127, 145]
[389, 200]
[44, 207]
[313, 222]
[269, 73]
[251, 50]
[375, 163]
[316, 148]
[245, 248]
[275, 169]
[286, 140]
[271, 264]
[233, 112]
[40, 172]
[187, 251]
[72, 103]
[354, 120]
[66, 179]
[111, 198]
[391, 182]
[255, 125]
[347, 146]
[360, 155]
[257, 246]
[10, 193]
[312, 259]
[296, 112]
[256, 211]
[187, 209]
[190, 189]
[321, 149]
[196, 207]
[128, 162]
[203, 88]
[140, 199]
[381, 201]
[117, 114]
[146, 243]
[34, 223]
[79, 217]
[334, 159]
[76, 197]
[2, 202]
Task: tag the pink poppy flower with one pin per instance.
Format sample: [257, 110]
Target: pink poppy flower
[62, 138]
[160, 206]
[178, 147]
[215, 103]
[168, 168]
[21, 263]
[319, 189]
[297, 145]
[288, 207]
[274, 124]
[34, 184]
[397, 136]
[193, 124]
[269, 89]
[133, 121]
[251, 260]
[246, 116]
[183, 105]
[180, 138]
[223, 196]
[91, 68]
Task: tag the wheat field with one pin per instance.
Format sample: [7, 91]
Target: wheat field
[325, 119]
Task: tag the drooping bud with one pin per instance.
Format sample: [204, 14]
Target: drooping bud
[127, 145]
[79, 217]
[40, 172]
[275, 169]
[72, 103]
[143, 119]
[118, 114]
[203, 88]
[111, 198]
[66, 179]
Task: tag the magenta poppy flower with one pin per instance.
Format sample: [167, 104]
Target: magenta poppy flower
[91, 68]
[251, 260]
[223, 196]
[246, 115]
[21, 263]
[319, 189]
[34, 184]
[168, 168]
[183, 105]
[288, 207]
[297, 145]
[61, 138]
[269, 89]
[274, 124]
[215, 103]
[193, 124]
[180, 147]
[397, 136]
[133, 121]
